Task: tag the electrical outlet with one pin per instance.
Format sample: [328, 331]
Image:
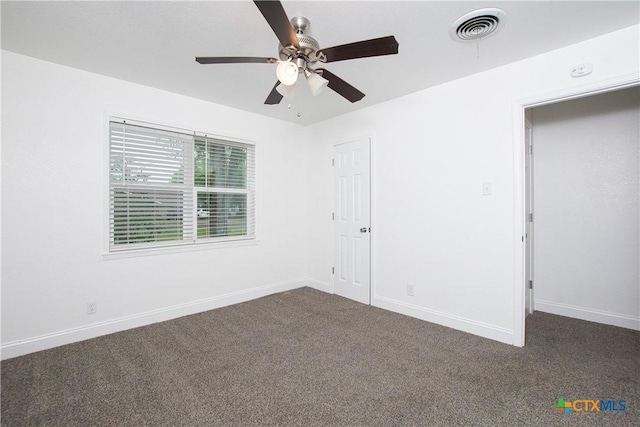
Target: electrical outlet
[92, 307]
[410, 290]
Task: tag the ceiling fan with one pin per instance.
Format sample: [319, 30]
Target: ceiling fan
[298, 52]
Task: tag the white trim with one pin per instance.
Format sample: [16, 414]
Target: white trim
[318, 284]
[594, 88]
[519, 226]
[185, 247]
[591, 315]
[68, 336]
[106, 184]
[372, 216]
[463, 324]
[519, 105]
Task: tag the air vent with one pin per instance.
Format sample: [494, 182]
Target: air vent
[477, 25]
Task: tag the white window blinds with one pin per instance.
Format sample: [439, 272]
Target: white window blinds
[151, 179]
[171, 188]
[224, 181]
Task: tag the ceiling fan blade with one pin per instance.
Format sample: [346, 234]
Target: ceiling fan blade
[363, 49]
[341, 87]
[274, 97]
[234, 60]
[277, 18]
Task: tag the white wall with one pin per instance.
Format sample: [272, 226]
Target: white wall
[431, 225]
[54, 173]
[433, 150]
[587, 208]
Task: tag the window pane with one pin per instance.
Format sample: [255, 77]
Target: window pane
[200, 164]
[151, 197]
[221, 214]
[229, 164]
[141, 155]
[219, 164]
[146, 215]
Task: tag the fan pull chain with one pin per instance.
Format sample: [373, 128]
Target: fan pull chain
[299, 114]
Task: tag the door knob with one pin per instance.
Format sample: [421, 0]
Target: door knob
[363, 230]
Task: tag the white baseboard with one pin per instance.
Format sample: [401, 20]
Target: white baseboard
[317, 284]
[68, 336]
[591, 315]
[484, 330]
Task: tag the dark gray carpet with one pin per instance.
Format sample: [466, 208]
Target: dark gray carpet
[308, 358]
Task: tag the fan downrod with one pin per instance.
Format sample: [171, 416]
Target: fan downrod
[300, 24]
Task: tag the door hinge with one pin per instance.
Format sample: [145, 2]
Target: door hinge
[530, 149]
[530, 284]
[333, 162]
[333, 216]
[333, 270]
[530, 217]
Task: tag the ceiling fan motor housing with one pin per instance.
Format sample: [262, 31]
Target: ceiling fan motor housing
[308, 45]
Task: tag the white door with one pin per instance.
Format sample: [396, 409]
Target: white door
[528, 164]
[352, 220]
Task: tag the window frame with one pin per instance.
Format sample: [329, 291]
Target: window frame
[249, 189]
[195, 243]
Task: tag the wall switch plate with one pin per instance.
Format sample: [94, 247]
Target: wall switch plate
[486, 189]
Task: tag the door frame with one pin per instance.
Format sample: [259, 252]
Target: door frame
[519, 212]
[372, 210]
[529, 230]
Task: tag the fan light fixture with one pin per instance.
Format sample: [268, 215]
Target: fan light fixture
[287, 72]
[316, 82]
[288, 91]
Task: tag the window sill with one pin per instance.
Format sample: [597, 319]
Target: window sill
[143, 252]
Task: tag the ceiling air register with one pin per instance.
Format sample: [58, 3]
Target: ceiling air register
[477, 25]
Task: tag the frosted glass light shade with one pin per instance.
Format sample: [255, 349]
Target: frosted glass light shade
[287, 72]
[288, 91]
[316, 83]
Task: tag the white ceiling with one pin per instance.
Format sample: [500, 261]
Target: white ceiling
[155, 43]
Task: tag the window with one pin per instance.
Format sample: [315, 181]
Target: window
[170, 188]
[220, 179]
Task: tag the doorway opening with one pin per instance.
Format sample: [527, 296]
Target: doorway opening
[524, 299]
